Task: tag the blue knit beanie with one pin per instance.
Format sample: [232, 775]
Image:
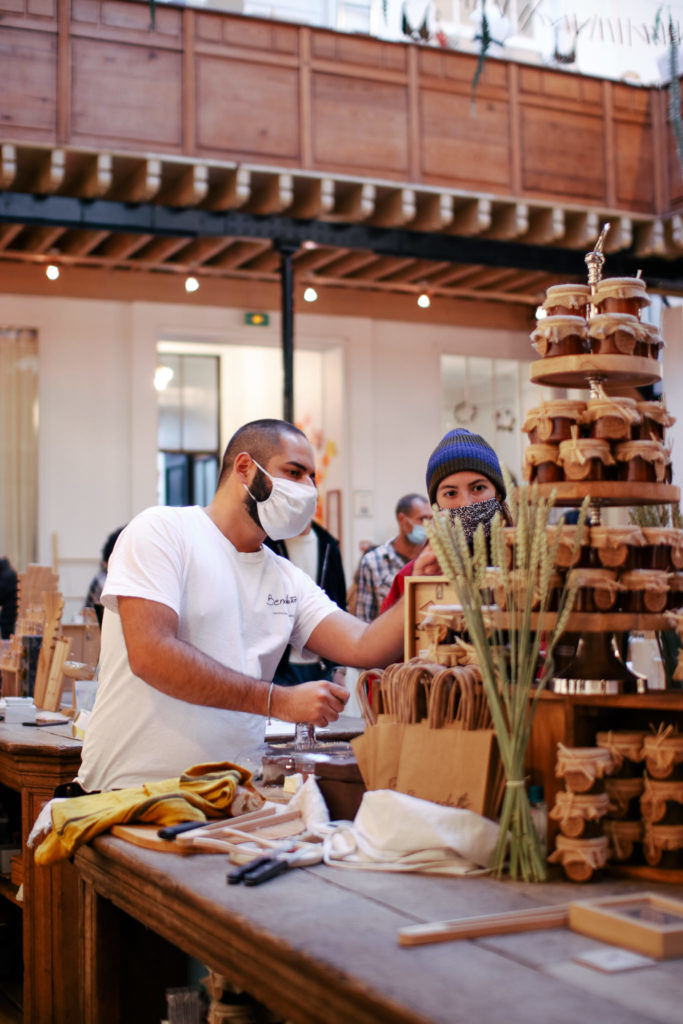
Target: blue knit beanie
[462, 450]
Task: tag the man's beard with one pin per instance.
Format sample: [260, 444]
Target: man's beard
[260, 489]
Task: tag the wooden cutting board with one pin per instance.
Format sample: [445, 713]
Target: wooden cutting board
[146, 836]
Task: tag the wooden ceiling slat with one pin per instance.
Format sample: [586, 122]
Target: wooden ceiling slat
[40, 240]
[122, 246]
[240, 252]
[349, 263]
[204, 249]
[309, 260]
[8, 232]
[82, 243]
[158, 250]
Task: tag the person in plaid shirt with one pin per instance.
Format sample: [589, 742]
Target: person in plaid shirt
[379, 565]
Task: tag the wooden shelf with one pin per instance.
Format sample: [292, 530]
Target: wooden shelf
[594, 622]
[574, 371]
[654, 700]
[611, 492]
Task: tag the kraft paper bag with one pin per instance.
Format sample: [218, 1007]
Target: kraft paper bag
[378, 753]
[452, 766]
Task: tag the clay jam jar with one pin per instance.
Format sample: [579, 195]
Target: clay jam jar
[655, 418]
[663, 846]
[613, 334]
[626, 748]
[621, 295]
[675, 601]
[617, 547]
[581, 859]
[542, 464]
[597, 589]
[677, 547]
[662, 802]
[583, 768]
[560, 336]
[640, 462]
[624, 797]
[657, 552]
[567, 300]
[664, 754]
[580, 814]
[645, 591]
[625, 840]
[611, 419]
[585, 458]
[569, 556]
[552, 422]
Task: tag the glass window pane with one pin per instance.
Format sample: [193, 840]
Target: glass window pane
[168, 386]
[200, 403]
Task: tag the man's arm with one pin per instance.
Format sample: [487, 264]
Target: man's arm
[178, 669]
[347, 640]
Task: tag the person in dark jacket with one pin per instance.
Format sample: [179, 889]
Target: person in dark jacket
[317, 553]
[8, 598]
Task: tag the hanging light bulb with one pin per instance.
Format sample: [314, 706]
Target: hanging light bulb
[191, 284]
[163, 375]
[423, 301]
[310, 295]
[52, 272]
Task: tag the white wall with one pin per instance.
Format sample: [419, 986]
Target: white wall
[380, 403]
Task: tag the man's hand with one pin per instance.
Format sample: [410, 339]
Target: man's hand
[426, 563]
[319, 702]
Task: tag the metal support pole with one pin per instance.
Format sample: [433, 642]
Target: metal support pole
[287, 330]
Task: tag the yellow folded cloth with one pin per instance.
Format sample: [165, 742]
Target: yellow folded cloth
[201, 792]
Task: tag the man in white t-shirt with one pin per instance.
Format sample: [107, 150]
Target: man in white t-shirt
[198, 613]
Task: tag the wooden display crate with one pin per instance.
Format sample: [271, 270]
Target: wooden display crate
[420, 592]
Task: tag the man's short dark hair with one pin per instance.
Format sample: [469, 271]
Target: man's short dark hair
[405, 504]
[261, 438]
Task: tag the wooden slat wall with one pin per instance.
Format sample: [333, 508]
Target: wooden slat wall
[213, 86]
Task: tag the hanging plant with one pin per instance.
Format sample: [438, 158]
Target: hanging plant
[485, 39]
[674, 90]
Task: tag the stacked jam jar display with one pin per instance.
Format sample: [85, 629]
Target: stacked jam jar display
[581, 846]
[624, 785]
[661, 802]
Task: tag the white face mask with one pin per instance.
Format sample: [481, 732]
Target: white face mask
[288, 509]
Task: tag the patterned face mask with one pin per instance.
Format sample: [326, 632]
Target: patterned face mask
[471, 515]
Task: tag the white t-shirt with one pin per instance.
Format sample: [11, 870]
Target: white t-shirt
[241, 608]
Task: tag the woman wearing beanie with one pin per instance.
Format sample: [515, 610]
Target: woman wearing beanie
[463, 476]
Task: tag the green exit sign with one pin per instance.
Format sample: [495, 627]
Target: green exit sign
[257, 319]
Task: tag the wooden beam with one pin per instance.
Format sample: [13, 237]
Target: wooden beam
[121, 247]
[434, 211]
[8, 232]
[94, 177]
[229, 188]
[620, 234]
[204, 249]
[347, 264]
[509, 220]
[189, 187]
[266, 262]
[353, 201]
[394, 208]
[81, 243]
[158, 250]
[651, 239]
[419, 270]
[270, 193]
[143, 183]
[41, 240]
[313, 197]
[385, 267]
[582, 229]
[50, 172]
[675, 230]
[308, 260]
[472, 217]
[240, 252]
[546, 226]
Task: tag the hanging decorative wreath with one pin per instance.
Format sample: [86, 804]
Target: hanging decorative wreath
[464, 412]
[505, 419]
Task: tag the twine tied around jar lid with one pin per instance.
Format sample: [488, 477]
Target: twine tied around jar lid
[592, 852]
[626, 744]
[656, 411]
[616, 536]
[663, 837]
[590, 762]
[622, 835]
[541, 417]
[621, 792]
[663, 750]
[604, 325]
[654, 580]
[577, 453]
[649, 451]
[552, 330]
[587, 806]
[611, 405]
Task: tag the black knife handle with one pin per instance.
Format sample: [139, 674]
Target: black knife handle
[171, 831]
[238, 874]
[275, 866]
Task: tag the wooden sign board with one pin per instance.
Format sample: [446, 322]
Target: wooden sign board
[420, 592]
[646, 923]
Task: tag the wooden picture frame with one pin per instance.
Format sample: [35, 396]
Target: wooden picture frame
[643, 922]
[333, 514]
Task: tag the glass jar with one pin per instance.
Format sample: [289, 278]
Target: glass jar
[542, 464]
[655, 418]
[611, 419]
[552, 422]
[581, 859]
[613, 334]
[583, 768]
[621, 295]
[567, 300]
[580, 814]
[641, 462]
[664, 754]
[617, 547]
[585, 458]
[626, 748]
[560, 336]
[625, 840]
[662, 801]
[598, 589]
[624, 797]
[644, 591]
[569, 554]
[663, 846]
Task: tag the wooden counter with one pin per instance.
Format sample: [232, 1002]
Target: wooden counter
[319, 946]
[32, 762]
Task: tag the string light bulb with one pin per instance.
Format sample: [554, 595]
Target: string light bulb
[191, 284]
[423, 301]
[310, 295]
[52, 272]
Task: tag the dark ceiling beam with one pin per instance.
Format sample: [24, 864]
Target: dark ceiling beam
[150, 218]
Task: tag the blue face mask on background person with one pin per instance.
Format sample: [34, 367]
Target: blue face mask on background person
[288, 509]
[418, 534]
